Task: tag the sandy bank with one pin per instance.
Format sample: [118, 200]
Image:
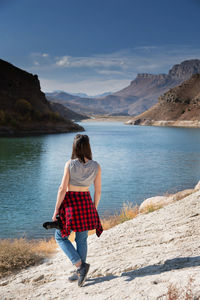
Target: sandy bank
[100, 118]
[137, 259]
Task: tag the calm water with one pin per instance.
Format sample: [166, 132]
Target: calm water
[137, 162]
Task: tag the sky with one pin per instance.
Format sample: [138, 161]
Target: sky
[97, 46]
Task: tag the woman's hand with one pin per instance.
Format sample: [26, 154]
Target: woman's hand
[54, 215]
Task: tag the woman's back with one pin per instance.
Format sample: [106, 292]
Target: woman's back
[82, 174]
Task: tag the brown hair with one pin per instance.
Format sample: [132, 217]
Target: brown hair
[81, 148]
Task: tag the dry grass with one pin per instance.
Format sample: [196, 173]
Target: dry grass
[20, 253]
[151, 207]
[17, 254]
[127, 212]
[178, 293]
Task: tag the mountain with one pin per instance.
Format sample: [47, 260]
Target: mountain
[66, 112]
[180, 106]
[79, 105]
[140, 95]
[24, 108]
[80, 95]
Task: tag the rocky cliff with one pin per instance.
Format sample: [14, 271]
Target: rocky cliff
[140, 95]
[24, 108]
[180, 106]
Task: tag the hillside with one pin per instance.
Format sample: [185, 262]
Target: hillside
[24, 108]
[180, 106]
[80, 105]
[66, 112]
[149, 257]
[140, 95]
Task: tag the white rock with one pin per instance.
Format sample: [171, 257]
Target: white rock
[154, 203]
[197, 186]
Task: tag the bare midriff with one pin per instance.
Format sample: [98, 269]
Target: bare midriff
[74, 188]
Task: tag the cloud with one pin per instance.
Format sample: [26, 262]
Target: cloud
[90, 62]
[63, 61]
[106, 72]
[139, 59]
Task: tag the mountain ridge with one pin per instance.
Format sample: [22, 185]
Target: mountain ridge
[140, 95]
[179, 106]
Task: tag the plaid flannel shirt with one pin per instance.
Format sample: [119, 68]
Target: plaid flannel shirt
[78, 213]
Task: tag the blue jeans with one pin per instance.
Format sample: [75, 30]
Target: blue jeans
[75, 255]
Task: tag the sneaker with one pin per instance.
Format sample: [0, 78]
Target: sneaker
[73, 277]
[82, 273]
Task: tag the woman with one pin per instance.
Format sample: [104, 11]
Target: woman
[74, 205]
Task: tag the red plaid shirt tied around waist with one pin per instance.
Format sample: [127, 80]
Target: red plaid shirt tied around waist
[78, 213]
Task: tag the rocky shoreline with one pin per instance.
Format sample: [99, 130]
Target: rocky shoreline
[145, 258]
[172, 123]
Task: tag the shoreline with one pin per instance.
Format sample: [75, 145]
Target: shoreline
[163, 123]
[150, 203]
[105, 118]
[158, 251]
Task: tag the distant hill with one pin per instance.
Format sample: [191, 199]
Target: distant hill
[79, 105]
[180, 106]
[24, 108]
[140, 95]
[83, 95]
[66, 112]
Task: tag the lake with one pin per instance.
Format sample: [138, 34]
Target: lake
[137, 162]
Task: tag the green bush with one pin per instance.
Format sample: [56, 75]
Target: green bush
[2, 117]
[14, 122]
[23, 106]
[53, 116]
[36, 115]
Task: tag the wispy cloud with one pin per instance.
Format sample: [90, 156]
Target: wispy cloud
[139, 59]
[103, 72]
[91, 62]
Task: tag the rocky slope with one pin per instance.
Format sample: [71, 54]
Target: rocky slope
[66, 112]
[180, 106]
[24, 109]
[80, 105]
[147, 258]
[140, 95]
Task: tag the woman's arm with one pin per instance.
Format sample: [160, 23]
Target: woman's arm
[62, 190]
[97, 187]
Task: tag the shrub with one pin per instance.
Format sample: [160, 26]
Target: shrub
[23, 106]
[2, 117]
[14, 122]
[53, 117]
[127, 212]
[36, 115]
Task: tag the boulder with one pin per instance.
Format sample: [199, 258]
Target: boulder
[197, 186]
[154, 203]
[157, 202]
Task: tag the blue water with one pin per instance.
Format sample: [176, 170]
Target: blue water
[137, 162]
